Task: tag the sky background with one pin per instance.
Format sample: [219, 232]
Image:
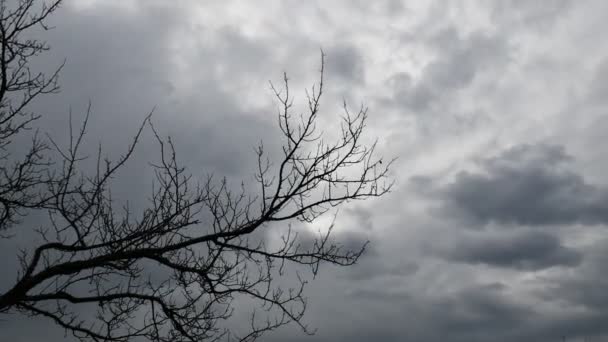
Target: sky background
[496, 111]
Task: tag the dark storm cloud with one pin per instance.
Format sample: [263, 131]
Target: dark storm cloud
[527, 185]
[524, 251]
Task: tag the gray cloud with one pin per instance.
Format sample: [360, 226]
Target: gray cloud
[460, 59]
[599, 84]
[346, 63]
[465, 57]
[527, 185]
[527, 251]
[372, 266]
[538, 15]
[207, 77]
[126, 78]
[586, 286]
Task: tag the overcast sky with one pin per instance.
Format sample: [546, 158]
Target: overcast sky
[496, 110]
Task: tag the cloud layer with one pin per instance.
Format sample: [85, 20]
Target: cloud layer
[527, 185]
[496, 230]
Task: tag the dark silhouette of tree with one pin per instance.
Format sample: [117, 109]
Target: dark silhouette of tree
[173, 271]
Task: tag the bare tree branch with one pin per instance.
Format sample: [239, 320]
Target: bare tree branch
[202, 238]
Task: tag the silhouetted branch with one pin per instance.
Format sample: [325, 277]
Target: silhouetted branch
[173, 271]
